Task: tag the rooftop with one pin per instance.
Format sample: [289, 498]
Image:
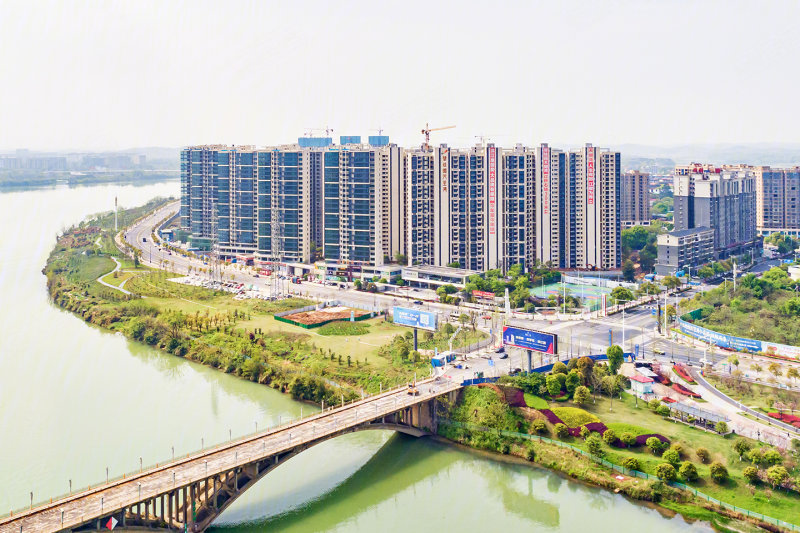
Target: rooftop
[441, 271]
[641, 379]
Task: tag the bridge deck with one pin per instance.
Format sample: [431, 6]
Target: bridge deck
[82, 507]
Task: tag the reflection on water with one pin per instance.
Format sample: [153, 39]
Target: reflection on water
[75, 400]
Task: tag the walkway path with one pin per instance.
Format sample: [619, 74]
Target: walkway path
[116, 268]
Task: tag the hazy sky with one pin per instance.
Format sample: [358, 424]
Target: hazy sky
[110, 75]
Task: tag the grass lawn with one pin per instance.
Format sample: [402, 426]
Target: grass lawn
[92, 268]
[574, 416]
[344, 328]
[122, 276]
[536, 402]
[624, 416]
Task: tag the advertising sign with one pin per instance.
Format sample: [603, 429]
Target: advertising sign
[492, 189]
[483, 294]
[529, 339]
[414, 318]
[445, 164]
[720, 339]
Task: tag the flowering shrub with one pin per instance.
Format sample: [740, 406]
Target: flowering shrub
[683, 373]
[677, 387]
[789, 419]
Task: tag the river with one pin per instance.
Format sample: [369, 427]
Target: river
[75, 401]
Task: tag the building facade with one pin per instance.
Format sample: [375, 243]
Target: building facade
[684, 248]
[777, 200]
[634, 199]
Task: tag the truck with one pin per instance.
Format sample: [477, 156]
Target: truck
[296, 279]
[442, 359]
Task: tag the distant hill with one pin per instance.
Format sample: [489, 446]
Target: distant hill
[720, 154]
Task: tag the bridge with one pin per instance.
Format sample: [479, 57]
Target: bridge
[188, 494]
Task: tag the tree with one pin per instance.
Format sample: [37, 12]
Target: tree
[573, 381]
[777, 475]
[609, 436]
[621, 295]
[654, 443]
[631, 463]
[553, 385]
[741, 447]
[628, 270]
[705, 271]
[793, 373]
[654, 404]
[401, 258]
[594, 445]
[771, 456]
[750, 473]
[775, 369]
[755, 456]
[671, 456]
[721, 427]
[663, 410]
[585, 432]
[615, 358]
[561, 430]
[666, 472]
[703, 454]
[581, 395]
[718, 472]
[610, 386]
[629, 439]
[559, 368]
[688, 471]
[538, 426]
[671, 282]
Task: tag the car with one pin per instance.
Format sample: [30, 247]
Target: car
[256, 276]
[659, 351]
[417, 302]
[486, 317]
[501, 349]
[503, 356]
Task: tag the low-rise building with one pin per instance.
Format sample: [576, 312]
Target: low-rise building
[689, 247]
[641, 385]
[431, 277]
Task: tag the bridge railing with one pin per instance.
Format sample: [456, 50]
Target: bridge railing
[233, 440]
[627, 471]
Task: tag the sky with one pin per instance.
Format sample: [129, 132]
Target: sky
[114, 75]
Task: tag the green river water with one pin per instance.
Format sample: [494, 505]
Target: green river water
[75, 400]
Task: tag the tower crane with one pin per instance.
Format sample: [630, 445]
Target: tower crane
[427, 132]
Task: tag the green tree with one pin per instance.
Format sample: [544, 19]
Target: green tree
[663, 410]
[671, 456]
[585, 432]
[771, 456]
[777, 475]
[632, 463]
[621, 295]
[561, 431]
[741, 447]
[553, 385]
[671, 282]
[594, 445]
[573, 381]
[705, 271]
[629, 439]
[688, 471]
[666, 472]
[538, 426]
[581, 395]
[721, 427]
[628, 270]
[559, 368]
[750, 473]
[703, 454]
[718, 472]
[654, 444]
[615, 358]
[609, 436]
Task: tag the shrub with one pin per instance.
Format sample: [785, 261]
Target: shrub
[594, 445]
[609, 437]
[750, 473]
[530, 453]
[562, 431]
[585, 432]
[677, 447]
[538, 426]
[654, 404]
[721, 427]
[777, 475]
[559, 368]
[574, 417]
[718, 472]
[665, 471]
[703, 454]
[663, 410]
[688, 471]
[628, 439]
[771, 456]
[671, 456]
[504, 448]
[631, 463]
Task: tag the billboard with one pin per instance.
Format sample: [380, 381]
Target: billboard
[530, 339]
[414, 318]
[483, 294]
[492, 189]
[590, 176]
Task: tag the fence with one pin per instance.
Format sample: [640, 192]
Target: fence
[626, 471]
[723, 340]
[597, 282]
[474, 346]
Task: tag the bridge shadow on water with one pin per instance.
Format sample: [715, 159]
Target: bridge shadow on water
[422, 466]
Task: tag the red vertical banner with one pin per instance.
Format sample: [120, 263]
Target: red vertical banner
[445, 166]
[590, 176]
[492, 190]
[545, 180]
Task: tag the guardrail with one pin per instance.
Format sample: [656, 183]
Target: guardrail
[626, 471]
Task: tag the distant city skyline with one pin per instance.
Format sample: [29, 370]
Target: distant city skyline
[112, 76]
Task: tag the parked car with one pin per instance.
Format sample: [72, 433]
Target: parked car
[417, 302]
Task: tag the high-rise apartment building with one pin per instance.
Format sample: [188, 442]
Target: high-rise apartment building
[634, 199]
[777, 200]
[720, 199]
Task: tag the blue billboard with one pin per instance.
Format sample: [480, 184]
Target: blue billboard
[414, 318]
[530, 339]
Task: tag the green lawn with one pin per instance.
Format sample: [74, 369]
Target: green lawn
[574, 416]
[536, 402]
[755, 395]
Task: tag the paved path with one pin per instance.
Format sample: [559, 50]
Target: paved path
[116, 268]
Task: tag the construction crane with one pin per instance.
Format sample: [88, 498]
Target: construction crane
[427, 132]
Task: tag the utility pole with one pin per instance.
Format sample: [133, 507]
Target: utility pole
[734, 276]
